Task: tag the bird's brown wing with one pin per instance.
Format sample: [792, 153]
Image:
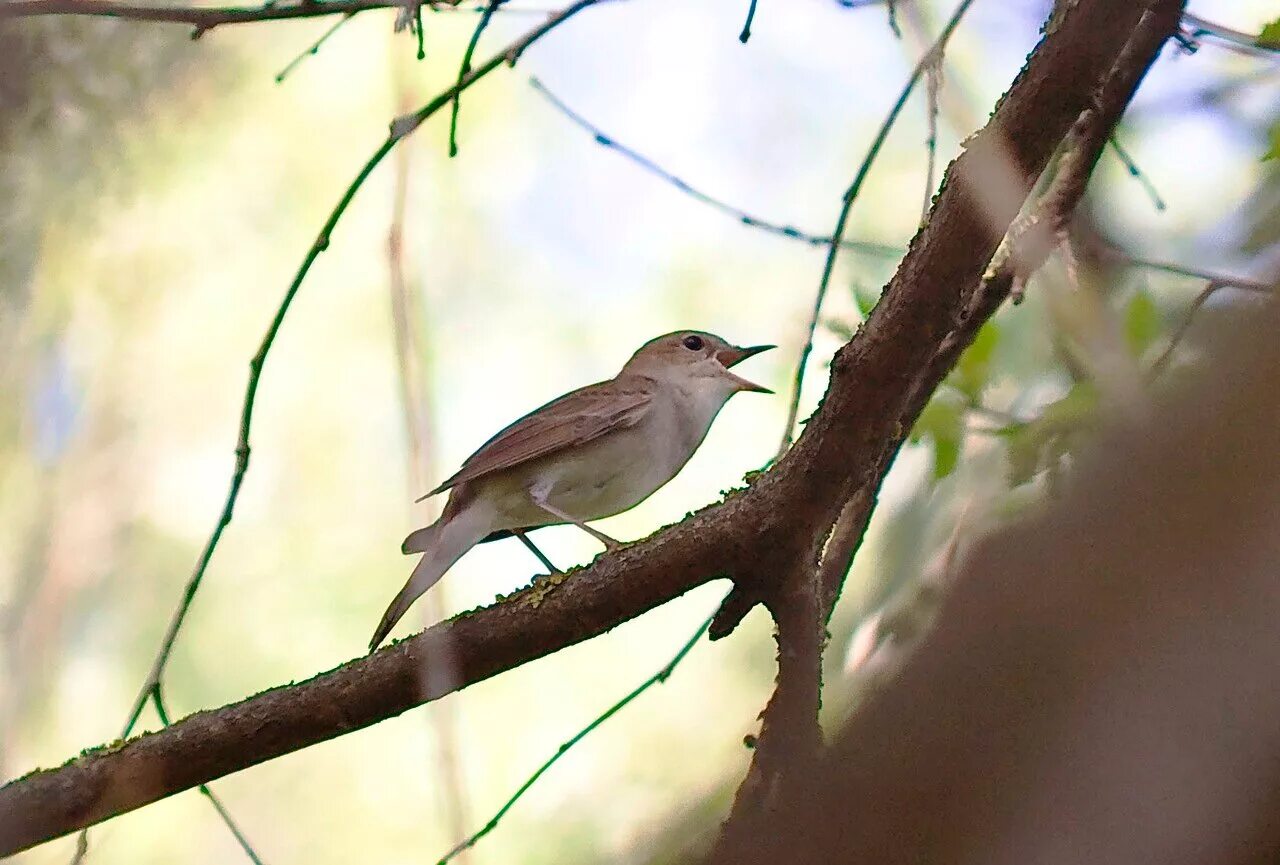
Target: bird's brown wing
[569, 421]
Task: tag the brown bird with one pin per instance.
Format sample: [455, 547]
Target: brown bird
[592, 453]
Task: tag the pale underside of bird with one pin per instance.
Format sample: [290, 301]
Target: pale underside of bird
[592, 453]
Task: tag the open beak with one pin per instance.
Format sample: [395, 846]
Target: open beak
[733, 355]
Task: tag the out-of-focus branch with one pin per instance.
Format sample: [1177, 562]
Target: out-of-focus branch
[1159, 365]
[485, 17]
[657, 678]
[1249, 42]
[407, 319]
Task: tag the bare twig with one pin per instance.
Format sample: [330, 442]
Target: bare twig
[1249, 43]
[1185, 270]
[746, 26]
[782, 230]
[206, 18]
[465, 67]
[1157, 200]
[416, 404]
[314, 48]
[1161, 363]
[777, 228]
[933, 83]
[237, 833]
[657, 678]
[931, 56]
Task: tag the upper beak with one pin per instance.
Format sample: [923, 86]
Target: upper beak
[734, 355]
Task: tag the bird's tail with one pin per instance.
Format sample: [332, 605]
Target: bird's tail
[442, 543]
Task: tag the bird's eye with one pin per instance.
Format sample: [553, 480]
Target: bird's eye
[693, 343]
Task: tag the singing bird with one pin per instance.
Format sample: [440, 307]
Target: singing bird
[592, 453]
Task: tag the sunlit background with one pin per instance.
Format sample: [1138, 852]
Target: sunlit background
[158, 196]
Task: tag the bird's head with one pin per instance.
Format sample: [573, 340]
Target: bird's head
[694, 355]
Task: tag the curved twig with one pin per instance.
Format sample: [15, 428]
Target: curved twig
[1161, 363]
[465, 67]
[931, 56]
[205, 18]
[657, 678]
[780, 229]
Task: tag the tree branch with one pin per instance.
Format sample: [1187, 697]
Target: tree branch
[802, 608]
[205, 18]
[873, 395]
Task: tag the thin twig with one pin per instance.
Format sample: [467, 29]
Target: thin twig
[401, 127]
[1161, 363]
[1157, 200]
[205, 18]
[315, 47]
[851, 195]
[932, 84]
[657, 678]
[892, 6]
[240, 837]
[746, 26]
[1189, 272]
[777, 228]
[485, 17]
[1250, 43]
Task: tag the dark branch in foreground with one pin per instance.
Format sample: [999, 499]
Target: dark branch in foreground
[875, 392]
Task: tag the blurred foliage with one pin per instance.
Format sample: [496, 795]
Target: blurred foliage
[71, 92]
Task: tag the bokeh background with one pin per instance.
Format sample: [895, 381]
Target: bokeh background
[159, 194]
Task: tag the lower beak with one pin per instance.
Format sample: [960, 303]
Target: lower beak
[734, 355]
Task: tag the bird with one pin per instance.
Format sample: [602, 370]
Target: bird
[592, 453]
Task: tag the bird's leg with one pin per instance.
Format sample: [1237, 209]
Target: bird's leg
[524, 539]
[538, 494]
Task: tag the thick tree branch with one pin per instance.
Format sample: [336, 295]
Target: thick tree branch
[1101, 683]
[802, 606]
[875, 387]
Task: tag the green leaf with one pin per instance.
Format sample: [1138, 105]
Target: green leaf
[942, 423]
[864, 298]
[973, 370]
[1050, 436]
[1273, 152]
[946, 456]
[1270, 35]
[1141, 322]
[838, 329]
[1074, 411]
